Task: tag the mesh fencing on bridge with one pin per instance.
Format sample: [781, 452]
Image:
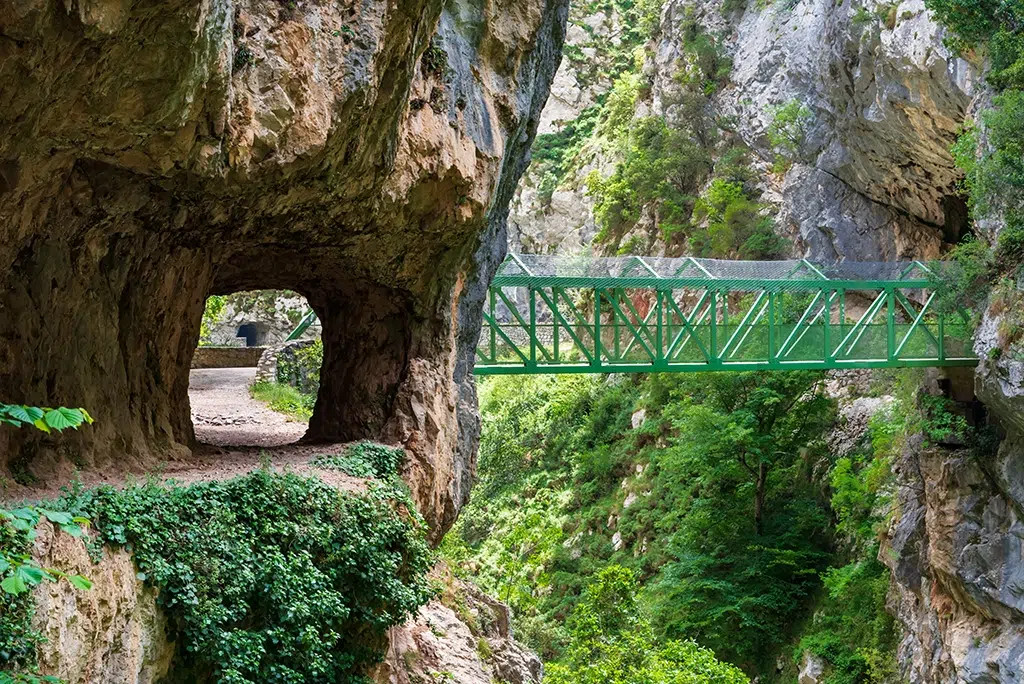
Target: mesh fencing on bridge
[629, 267]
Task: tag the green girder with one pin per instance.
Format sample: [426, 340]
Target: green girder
[642, 315]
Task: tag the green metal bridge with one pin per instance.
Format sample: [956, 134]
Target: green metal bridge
[555, 314]
[549, 314]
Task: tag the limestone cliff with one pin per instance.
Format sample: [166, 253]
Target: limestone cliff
[360, 153]
[871, 178]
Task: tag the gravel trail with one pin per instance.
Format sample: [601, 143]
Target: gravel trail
[224, 414]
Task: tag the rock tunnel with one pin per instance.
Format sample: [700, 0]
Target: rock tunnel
[362, 154]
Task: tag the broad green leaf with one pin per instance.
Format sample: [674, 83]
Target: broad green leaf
[4, 565]
[22, 413]
[81, 522]
[14, 585]
[26, 514]
[31, 574]
[57, 516]
[79, 582]
[41, 424]
[63, 418]
[72, 529]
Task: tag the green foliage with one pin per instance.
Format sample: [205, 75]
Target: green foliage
[600, 60]
[612, 643]
[662, 167]
[365, 459]
[19, 573]
[556, 454]
[941, 423]
[861, 16]
[44, 419]
[657, 175]
[750, 539]
[213, 309]
[270, 578]
[284, 399]
[300, 367]
[735, 224]
[787, 132]
[963, 281]
[852, 630]
[435, 59]
[555, 153]
[994, 171]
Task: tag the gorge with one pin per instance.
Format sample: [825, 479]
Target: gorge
[378, 159]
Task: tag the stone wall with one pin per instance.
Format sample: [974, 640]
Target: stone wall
[227, 357]
[280, 363]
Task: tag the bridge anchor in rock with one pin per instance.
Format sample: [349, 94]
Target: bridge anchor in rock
[549, 314]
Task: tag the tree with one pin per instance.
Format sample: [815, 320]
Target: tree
[751, 536]
[612, 643]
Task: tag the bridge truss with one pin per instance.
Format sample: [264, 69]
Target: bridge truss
[549, 314]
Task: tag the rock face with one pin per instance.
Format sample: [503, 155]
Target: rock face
[465, 634]
[362, 154]
[955, 552]
[955, 548]
[112, 633]
[872, 179]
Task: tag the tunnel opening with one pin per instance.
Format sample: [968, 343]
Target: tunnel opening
[957, 219]
[253, 385]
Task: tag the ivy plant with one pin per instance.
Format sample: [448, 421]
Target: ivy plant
[271, 578]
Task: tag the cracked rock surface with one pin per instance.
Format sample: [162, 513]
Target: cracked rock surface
[361, 154]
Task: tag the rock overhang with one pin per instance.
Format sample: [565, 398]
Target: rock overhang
[155, 155]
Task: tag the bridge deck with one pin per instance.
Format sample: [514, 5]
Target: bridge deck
[631, 314]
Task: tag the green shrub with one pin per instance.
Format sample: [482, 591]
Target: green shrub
[734, 224]
[270, 578]
[300, 367]
[787, 132]
[612, 643]
[852, 630]
[365, 459]
[963, 281]
[212, 311]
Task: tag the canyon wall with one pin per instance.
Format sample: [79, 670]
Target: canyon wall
[871, 178]
[361, 154]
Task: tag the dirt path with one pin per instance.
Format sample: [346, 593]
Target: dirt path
[237, 435]
[224, 414]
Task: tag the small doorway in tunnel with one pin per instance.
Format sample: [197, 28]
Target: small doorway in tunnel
[251, 333]
[249, 385]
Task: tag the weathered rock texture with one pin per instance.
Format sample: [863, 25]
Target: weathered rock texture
[465, 634]
[873, 179]
[955, 551]
[112, 633]
[361, 153]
